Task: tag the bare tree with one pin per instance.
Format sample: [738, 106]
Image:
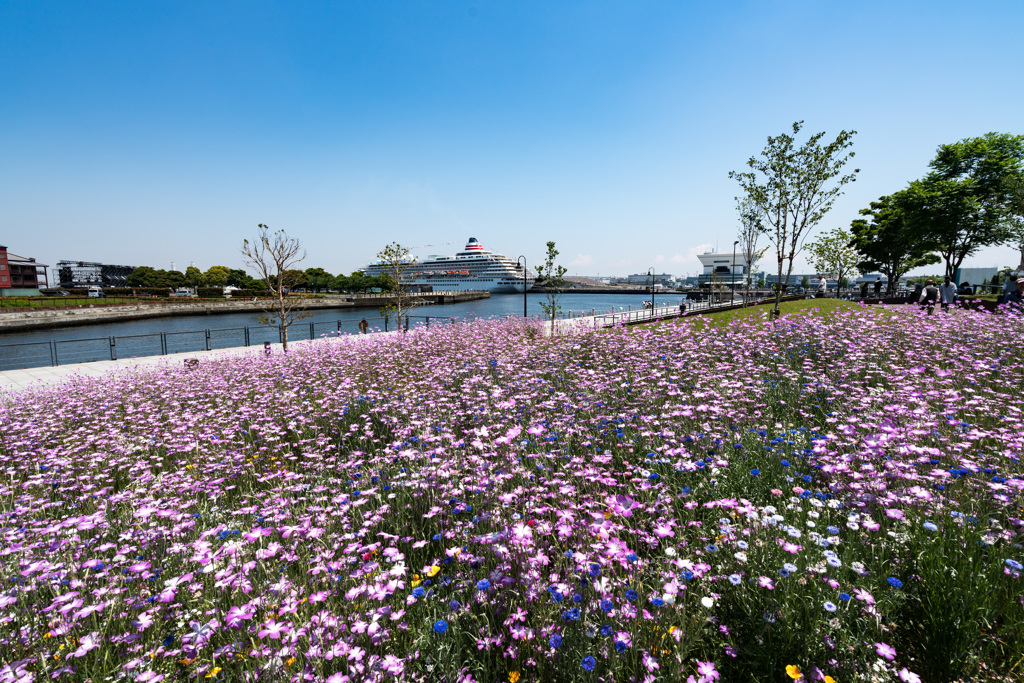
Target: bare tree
[749, 232]
[396, 262]
[274, 255]
[793, 188]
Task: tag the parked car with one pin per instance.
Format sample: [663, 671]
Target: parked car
[96, 293]
[55, 292]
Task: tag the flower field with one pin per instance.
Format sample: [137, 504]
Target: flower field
[830, 498]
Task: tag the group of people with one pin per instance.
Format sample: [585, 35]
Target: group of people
[1013, 291]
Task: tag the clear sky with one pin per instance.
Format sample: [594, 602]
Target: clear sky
[142, 133]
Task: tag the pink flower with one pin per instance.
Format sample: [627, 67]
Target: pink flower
[909, 676]
[707, 670]
[885, 650]
[86, 644]
[894, 513]
[862, 594]
[765, 582]
[273, 630]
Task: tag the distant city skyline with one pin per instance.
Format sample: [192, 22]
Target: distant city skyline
[146, 133]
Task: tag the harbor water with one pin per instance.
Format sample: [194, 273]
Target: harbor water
[155, 336]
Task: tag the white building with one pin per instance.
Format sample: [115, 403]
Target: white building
[725, 268]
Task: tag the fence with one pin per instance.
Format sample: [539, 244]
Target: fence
[63, 352]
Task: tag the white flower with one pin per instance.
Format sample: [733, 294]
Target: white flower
[707, 602]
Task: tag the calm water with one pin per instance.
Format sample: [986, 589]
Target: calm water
[189, 333]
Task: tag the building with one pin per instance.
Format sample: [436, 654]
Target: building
[20, 276]
[723, 268]
[83, 274]
[644, 279]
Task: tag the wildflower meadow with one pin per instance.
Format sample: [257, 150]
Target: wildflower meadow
[826, 498]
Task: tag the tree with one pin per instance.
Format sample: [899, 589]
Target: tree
[1015, 219]
[241, 279]
[216, 276]
[273, 255]
[142, 276]
[552, 275]
[749, 232]
[793, 188]
[318, 279]
[889, 243]
[831, 253]
[193, 276]
[297, 279]
[966, 202]
[396, 262]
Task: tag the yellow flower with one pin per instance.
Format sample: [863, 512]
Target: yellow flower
[416, 580]
[290, 661]
[213, 672]
[434, 569]
[793, 671]
[513, 676]
[829, 679]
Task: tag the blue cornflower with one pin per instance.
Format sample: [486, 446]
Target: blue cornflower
[620, 646]
[657, 602]
[437, 537]
[556, 596]
[735, 579]
[832, 530]
[1014, 564]
[785, 463]
[755, 472]
[845, 597]
[631, 595]
[440, 626]
[589, 663]
[607, 605]
[894, 582]
[453, 605]
[830, 606]
[789, 567]
[483, 584]
[686, 574]
[606, 630]
[555, 640]
[930, 526]
[577, 597]
[168, 641]
[568, 554]
[418, 592]
[711, 548]
[632, 557]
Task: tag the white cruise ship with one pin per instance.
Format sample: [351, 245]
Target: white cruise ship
[473, 268]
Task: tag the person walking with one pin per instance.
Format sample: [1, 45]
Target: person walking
[822, 286]
[878, 287]
[929, 295]
[947, 293]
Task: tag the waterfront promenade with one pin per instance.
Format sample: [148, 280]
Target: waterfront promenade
[27, 379]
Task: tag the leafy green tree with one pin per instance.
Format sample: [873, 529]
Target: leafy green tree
[966, 202]
[887, 242]
[296, 279]
[1015, 210]
[193, 276]
[831, 253]
[793, 188]
[142, 276]
[173, 279]
[241, 279]
[551, 274]
[273, 255]
[318, 279]
[217, 276]
[397, 262]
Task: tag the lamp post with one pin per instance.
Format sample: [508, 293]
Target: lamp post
[650, 271]
[523, 259]
[734, 271]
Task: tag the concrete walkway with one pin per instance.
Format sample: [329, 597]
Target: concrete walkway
[12, 381]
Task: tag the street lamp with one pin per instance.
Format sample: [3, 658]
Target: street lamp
[650, 271]
[734, 271]
[523, 259]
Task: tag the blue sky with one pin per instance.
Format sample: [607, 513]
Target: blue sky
[152, 132]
